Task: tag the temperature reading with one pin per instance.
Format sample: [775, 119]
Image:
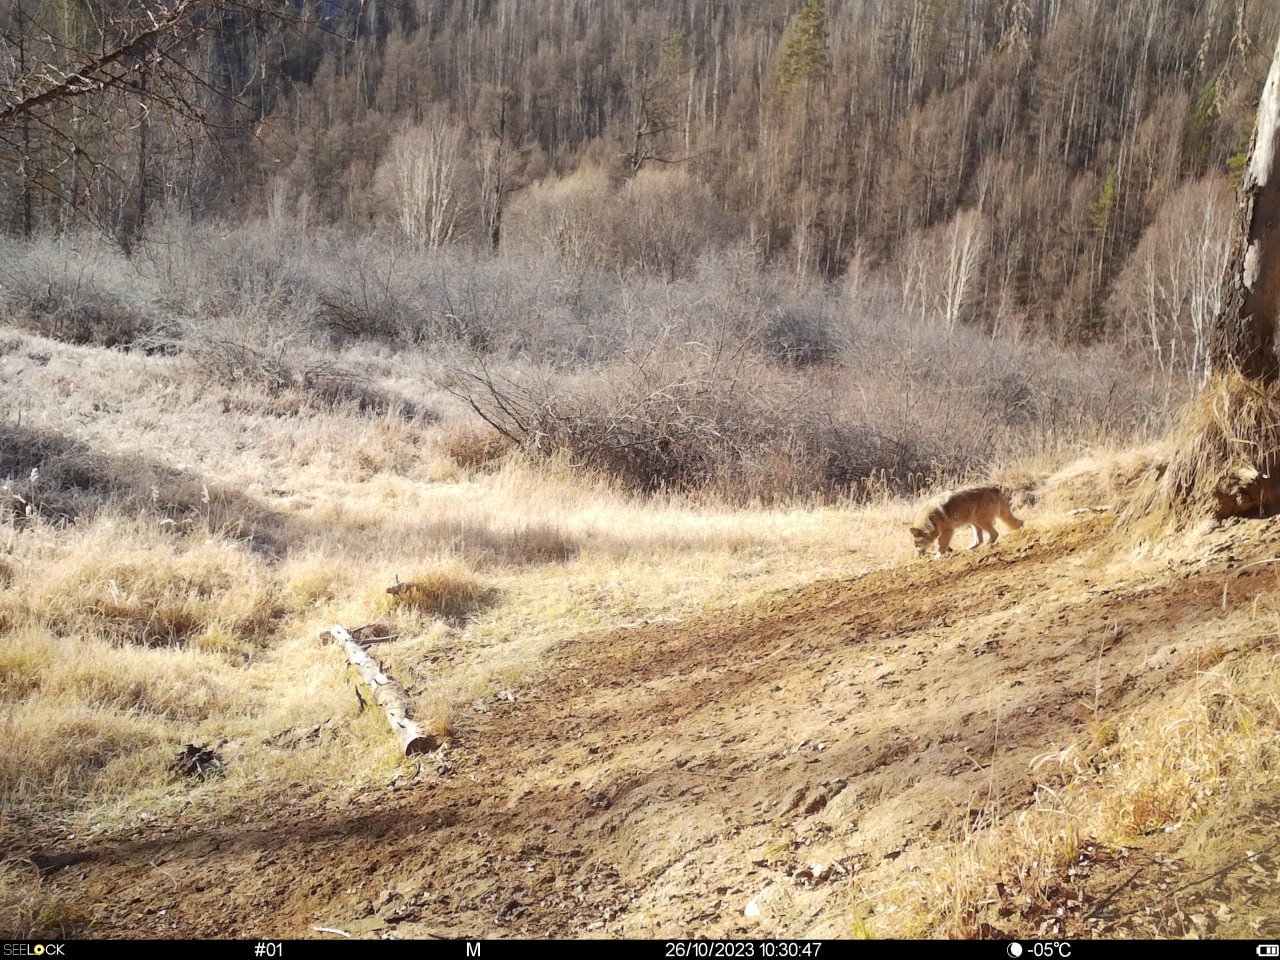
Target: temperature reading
[1045, 950]
[1049, 949]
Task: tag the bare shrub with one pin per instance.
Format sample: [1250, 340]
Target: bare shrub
[252, 301]
[988, 396]
[653, 424]
[269, 342]
[562, 216]
[229, 359]
[733, 297]
[260, 272]
[664, 220]
[729, 378]
[330, 386]
[266, 286]
[373, 290]
[77, 292]
[802, 334]
[681, 417]
[739, 383]
[366, 290]
[288, 390]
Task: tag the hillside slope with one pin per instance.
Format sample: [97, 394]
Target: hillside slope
[869, 756]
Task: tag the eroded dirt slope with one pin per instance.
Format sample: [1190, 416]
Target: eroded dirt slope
[681, 779]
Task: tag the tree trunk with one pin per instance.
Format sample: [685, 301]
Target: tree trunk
[1227, 462]
[1244, 332]
[28, 216]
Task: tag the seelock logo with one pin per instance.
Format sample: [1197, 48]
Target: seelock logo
[33, 950]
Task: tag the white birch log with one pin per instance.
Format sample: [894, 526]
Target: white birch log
[387, 693]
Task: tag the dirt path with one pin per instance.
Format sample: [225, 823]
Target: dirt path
[681, 780]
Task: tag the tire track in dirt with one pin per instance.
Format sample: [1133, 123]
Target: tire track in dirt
[651, 782]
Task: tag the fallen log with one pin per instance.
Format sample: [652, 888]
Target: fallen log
[387, 693]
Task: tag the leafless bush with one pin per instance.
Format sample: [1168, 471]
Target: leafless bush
[679, 416]
[742, 384]
[77, 292]
[563, 217]
[803, 334]
[278, 356]
[294, 385]
[733, 379]
[366, 290]
[663, 220]
[333, 289]
[972, 398]
[331, 386]
[650, 424]
[260, 271]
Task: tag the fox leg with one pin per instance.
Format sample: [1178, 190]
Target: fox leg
[1007, 516]
[944, 540]
[992, 535]
[977, 537]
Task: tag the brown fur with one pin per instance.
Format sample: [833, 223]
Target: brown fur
[979, 507]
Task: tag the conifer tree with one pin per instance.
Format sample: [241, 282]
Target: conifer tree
[804, 55]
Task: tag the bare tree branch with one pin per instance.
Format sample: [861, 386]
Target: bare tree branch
[91, 76]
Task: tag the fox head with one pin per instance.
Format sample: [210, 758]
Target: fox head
[922, 540]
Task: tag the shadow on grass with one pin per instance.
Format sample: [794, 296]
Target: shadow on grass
[48, 475]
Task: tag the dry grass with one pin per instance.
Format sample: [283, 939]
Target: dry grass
[450, 591]
[1101, 480]
[473, 448]
[29, 911]
[161, 592]
[128, 634]
[1228, 449]
[1201, 750]
[133, 628]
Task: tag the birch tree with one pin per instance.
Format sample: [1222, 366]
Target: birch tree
[424, 170]
[943, 269]
[1170, 290]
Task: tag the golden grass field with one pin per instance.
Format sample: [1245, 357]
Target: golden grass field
[217, 537]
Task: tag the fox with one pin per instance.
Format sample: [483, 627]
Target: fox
[980, 507]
